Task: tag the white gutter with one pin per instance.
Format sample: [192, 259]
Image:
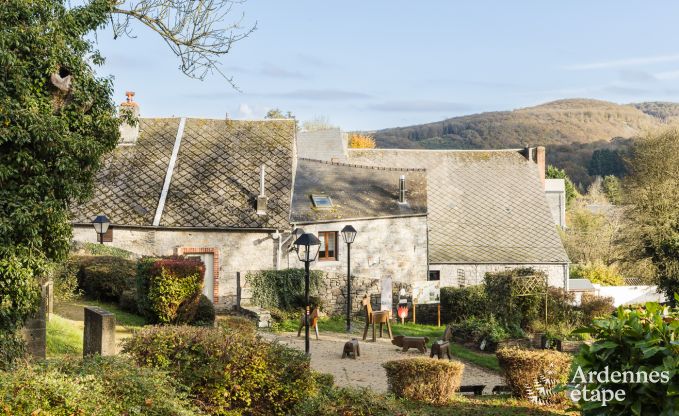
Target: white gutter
[170, 170]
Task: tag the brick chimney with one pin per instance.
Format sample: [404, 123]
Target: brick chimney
[129, 133]
[537, 155]
[540, 160]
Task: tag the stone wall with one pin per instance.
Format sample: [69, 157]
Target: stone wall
[456, 275]
[395, 247]
[238, 250]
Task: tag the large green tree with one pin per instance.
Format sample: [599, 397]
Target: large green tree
[57, 118]
[651, 195]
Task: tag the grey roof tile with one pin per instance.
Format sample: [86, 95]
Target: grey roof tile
[484, 206]
[356, 191]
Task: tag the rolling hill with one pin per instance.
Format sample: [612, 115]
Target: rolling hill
[571, 129]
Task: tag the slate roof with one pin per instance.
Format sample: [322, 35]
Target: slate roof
[215, 180]
[356, 191]
[484, 206]
[329, 144]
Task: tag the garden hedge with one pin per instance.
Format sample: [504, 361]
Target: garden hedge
[282, 289]
[227, 373]
[94, 386]
[524, 370]
[169, 289]
[424, 379]
[458, 304]
[105, 277]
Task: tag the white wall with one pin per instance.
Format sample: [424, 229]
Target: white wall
[239, 251]
[630, 295]
[474, 273]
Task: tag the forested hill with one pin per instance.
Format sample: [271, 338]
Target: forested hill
[571, 129]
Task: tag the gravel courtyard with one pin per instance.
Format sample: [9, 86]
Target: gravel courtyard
[367, 371]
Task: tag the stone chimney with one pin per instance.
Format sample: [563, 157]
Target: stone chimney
[537, 155]
[129, 133]
[262, 200]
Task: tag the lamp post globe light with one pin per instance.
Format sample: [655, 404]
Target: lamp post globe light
[348, 234]
[101, 223]
[307, 246]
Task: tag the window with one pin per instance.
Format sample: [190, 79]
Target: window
[434, 275]
[108, 235]
[461, 279]
[328, 250]
[321, 201]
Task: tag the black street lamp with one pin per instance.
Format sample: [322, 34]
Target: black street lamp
[307, 246]
[101, 224]
[348, 234]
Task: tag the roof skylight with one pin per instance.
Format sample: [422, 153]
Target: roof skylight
[321, 201]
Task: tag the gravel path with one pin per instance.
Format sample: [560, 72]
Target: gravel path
[367, 371]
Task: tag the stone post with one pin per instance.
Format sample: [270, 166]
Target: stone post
[48, 297]
[99, 335]
[34, 331]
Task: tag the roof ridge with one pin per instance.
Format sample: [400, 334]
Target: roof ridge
[354, 165]
[439, 150]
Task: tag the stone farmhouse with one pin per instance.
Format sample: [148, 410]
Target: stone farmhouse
[231, 192]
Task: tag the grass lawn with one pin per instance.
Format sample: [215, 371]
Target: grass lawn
[433, 332]
[65, 327]
[483, 406]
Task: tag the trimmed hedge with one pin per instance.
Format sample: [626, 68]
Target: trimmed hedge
[282, 289]
[524, 370]
[457, 304]
[169, 289]
[227, 373]
[205, 312]
[94, 386]
[424, 379]
[105, 277]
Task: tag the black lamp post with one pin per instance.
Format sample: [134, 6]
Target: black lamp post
[307, 249]
[348, 234]
[101, 224]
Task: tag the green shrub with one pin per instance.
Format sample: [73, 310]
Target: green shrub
[476, 330]
[65, 279]
[95, 386]
[460, 303]
[226, 372]
[424, 379]
[643, 339]
[105, 277]
[12, 349]
[598, 273]
[169, 289]
[237, 324]
[593, 306]
[205, 313]
[513, 310]
[128, 301]
[527, 371]
[281, 289]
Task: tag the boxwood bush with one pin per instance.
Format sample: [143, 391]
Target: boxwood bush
[94, 386]
[457, 304]
[227, 373]
[169, 289]
[105, 277]
[637, 340]
[424, 379]
[526, 371]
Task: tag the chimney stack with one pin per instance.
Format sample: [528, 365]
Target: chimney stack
[402, 189]
[539, 160]
[129, 133]
[262, 200]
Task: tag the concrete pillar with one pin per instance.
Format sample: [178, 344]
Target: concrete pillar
[100, 332]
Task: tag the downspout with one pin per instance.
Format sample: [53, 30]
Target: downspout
[277, 236]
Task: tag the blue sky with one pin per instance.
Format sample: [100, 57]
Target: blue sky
[376, 64]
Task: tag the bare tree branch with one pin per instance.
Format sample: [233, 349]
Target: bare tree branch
[195, 30]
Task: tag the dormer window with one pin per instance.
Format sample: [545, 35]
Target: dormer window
[321, 201]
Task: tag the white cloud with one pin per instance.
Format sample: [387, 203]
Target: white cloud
[245, 111]
[620, 63]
